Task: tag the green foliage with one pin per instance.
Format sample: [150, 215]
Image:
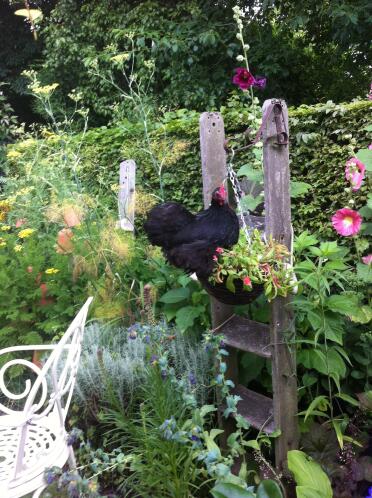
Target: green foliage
[311, 480]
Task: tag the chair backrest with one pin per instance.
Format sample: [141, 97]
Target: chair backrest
[55, 379]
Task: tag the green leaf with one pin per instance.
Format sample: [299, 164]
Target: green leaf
[365, 155]
[348, 399]
[309, 474]
[319, 400]
[344, 304]
[364, 273]
[304, 240]
[250, 203]
[299, 188]
[268, 489]
[306, 492]
[254, 175]
[175, 295]
[185, 316]
[338, 431]
[229, 490]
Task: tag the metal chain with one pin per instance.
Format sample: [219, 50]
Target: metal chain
[238, 194]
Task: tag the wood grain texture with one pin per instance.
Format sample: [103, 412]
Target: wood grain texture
[247, 335]
[126, 196]
[278, 224]
[256, 408]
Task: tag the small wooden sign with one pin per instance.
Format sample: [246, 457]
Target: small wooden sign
[126, 197]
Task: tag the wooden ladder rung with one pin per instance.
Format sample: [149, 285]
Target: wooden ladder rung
[247, 335]
[256, 408]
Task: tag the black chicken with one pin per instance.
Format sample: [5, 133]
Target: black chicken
[189, 241]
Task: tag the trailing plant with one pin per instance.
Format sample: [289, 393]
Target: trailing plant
[258, 263]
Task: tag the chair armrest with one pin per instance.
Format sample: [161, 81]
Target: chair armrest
[39, 347]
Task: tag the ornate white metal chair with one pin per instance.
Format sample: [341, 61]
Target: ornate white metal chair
[32, 426]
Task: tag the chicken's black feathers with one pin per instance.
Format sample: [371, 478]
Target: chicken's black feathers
[189, 241]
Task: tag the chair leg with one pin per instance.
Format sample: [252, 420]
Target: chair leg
[71, 458]
[38, 492]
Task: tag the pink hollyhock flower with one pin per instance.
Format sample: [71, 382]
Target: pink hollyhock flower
[243, 78]
[367, 260]
[247, 281]
[370, 93]
[259, 82]
[370, 146]
[354, 172]
[215, 258]
[346, 222]
[219, 250]
[20, 222]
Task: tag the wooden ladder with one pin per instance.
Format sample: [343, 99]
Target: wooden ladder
[271, 341]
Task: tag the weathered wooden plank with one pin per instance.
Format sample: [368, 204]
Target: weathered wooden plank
[126, 196]
[247, 335]
[256, 408]
[278, 224]
[213, 159]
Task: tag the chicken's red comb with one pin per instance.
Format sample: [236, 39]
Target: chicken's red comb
[222, 191]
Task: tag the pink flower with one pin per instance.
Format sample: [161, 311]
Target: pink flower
[243, 78]
[219, 250]
[367, 260]
[247, 281]
[370, 93]
[346, 222]
[20, 222]
[370, 146]
[354, 172]
[215, 258]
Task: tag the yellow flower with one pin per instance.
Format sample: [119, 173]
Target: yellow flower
[2, 242]
[18, 248]
[23, 234]
[5, 228]
[12, 154]
[51, 271]
[44, 90]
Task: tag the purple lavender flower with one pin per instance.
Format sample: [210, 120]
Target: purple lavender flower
[154, 359]
[369, 493]
[74, 436]
[259, 82]
[192, 379]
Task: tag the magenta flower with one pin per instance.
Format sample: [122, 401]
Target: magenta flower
[346, 222]
[354, 172]
[259, 82]
[367, 260]
[247, 281]
[370, 146]
[243, 78]
[219, 250]
[215, 258]
[370, 93]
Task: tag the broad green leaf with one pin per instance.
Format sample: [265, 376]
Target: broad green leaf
[254, 175]
[309, 474]
[230, 283]
[344, 304]
[364, 273]
[175, 295]
[185, 316]
[362, 315]
[365, 155]
[205, 409]
[307, 492]
[229, 490]
[250, 203]
[299, 188]
[305, 239]
[268, 489]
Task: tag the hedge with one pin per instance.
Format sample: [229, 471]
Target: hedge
[322, 138]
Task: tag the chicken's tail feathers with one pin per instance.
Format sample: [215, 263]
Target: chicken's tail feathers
[194, 257]
[164, 221]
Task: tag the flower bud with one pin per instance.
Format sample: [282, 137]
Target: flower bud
[351, 202]
[347, 190]
[240, 58]
[239, 36]
[246, 46]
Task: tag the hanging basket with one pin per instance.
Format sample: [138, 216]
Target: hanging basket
[225, 296]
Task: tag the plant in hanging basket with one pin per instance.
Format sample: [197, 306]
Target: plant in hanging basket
[245, 271]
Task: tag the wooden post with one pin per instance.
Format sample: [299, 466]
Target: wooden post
[278, 224]
[213, 159]
[126, 197]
